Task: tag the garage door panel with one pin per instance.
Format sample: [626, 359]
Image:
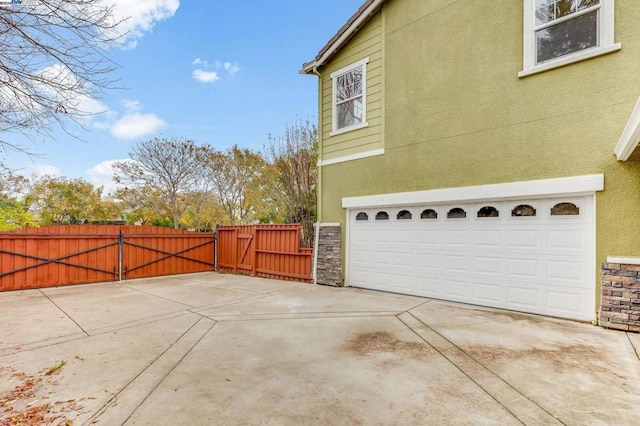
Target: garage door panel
[565, 239]
[540, 264]
[456, 237]
[523, 297]
[456, 263]
[564, 303]
[456, 289]
[525, 238]
[524, 267]
[488, 264]
[488, 238]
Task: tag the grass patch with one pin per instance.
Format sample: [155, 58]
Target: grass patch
[55, 368]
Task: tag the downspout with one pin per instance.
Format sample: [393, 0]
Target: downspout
[316, 243]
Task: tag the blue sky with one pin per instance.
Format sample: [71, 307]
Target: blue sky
[218, 72]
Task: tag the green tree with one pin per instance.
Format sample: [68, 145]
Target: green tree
[236, 177]
[58, 200]
[14, 213]
[293, 159]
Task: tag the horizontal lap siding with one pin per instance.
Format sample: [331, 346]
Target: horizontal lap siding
[366, 43]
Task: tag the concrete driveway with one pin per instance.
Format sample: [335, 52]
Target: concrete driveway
[210, 349]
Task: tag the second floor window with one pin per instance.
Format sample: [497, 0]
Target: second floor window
[349, 97]
[565, 26]
[560, 32]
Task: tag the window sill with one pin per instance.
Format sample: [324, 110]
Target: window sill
[570, 59]
[349, 129]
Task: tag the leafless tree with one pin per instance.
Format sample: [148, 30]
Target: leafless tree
[53, 64]
[293, 158]
[170, 166]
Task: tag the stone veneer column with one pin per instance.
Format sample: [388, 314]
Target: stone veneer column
[329, 256]
[620, 303]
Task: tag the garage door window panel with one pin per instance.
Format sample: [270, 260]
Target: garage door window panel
[404, 215]
[523, 210]
[488, 211]
[382, 216]
[429, 214]
[456, 213]
[362, 216]
[565, 209]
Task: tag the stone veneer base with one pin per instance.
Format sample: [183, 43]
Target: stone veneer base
[620, 302]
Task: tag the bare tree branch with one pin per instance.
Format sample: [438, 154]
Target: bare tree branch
[52, 59]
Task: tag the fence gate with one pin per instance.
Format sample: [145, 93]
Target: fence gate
[270, 251]
[78, 254]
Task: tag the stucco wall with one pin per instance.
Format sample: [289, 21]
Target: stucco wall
[456, 113]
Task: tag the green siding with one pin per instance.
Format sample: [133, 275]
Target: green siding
[456, 113]
[366, 43]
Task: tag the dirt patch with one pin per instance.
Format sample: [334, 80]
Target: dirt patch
[363, 344]
[559, 358]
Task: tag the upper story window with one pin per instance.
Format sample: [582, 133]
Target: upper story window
[559, 32]
[350, 97]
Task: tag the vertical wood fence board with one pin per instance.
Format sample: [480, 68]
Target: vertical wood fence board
[275, 252]
[79, 254]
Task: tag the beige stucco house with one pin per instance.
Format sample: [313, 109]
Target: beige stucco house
[485, 152]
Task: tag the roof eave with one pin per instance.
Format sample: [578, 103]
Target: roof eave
[361, 17]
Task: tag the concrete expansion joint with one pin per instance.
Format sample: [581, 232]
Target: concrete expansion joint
[125, 402]
[633, 346]
[519, 405]
[64, 312]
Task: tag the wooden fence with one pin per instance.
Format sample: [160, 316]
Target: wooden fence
[78, 254]
[270, 251]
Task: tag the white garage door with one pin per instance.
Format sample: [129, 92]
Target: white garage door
[532, 256]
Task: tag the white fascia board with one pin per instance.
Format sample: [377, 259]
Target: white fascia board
[310, 66]
[576, 185]
[630, 137]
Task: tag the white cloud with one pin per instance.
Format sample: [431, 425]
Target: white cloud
[40, 170]
[102, 175]
[231, 68]
[141, 16]
[131, 105]
[205, 76]
[135, 125]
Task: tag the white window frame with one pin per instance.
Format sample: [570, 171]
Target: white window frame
[606, 43]
[334, 107]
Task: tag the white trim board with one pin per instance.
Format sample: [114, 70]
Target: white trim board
[576, 185]
[624, 260]
[630, 137]
[351, 157]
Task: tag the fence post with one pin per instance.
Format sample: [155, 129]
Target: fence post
[120, 254]
[235, 250]
[215, 249]
[253, 247]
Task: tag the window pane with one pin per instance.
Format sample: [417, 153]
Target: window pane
[567, 37]
[548, 10]
[349, 85]
[349, 113]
